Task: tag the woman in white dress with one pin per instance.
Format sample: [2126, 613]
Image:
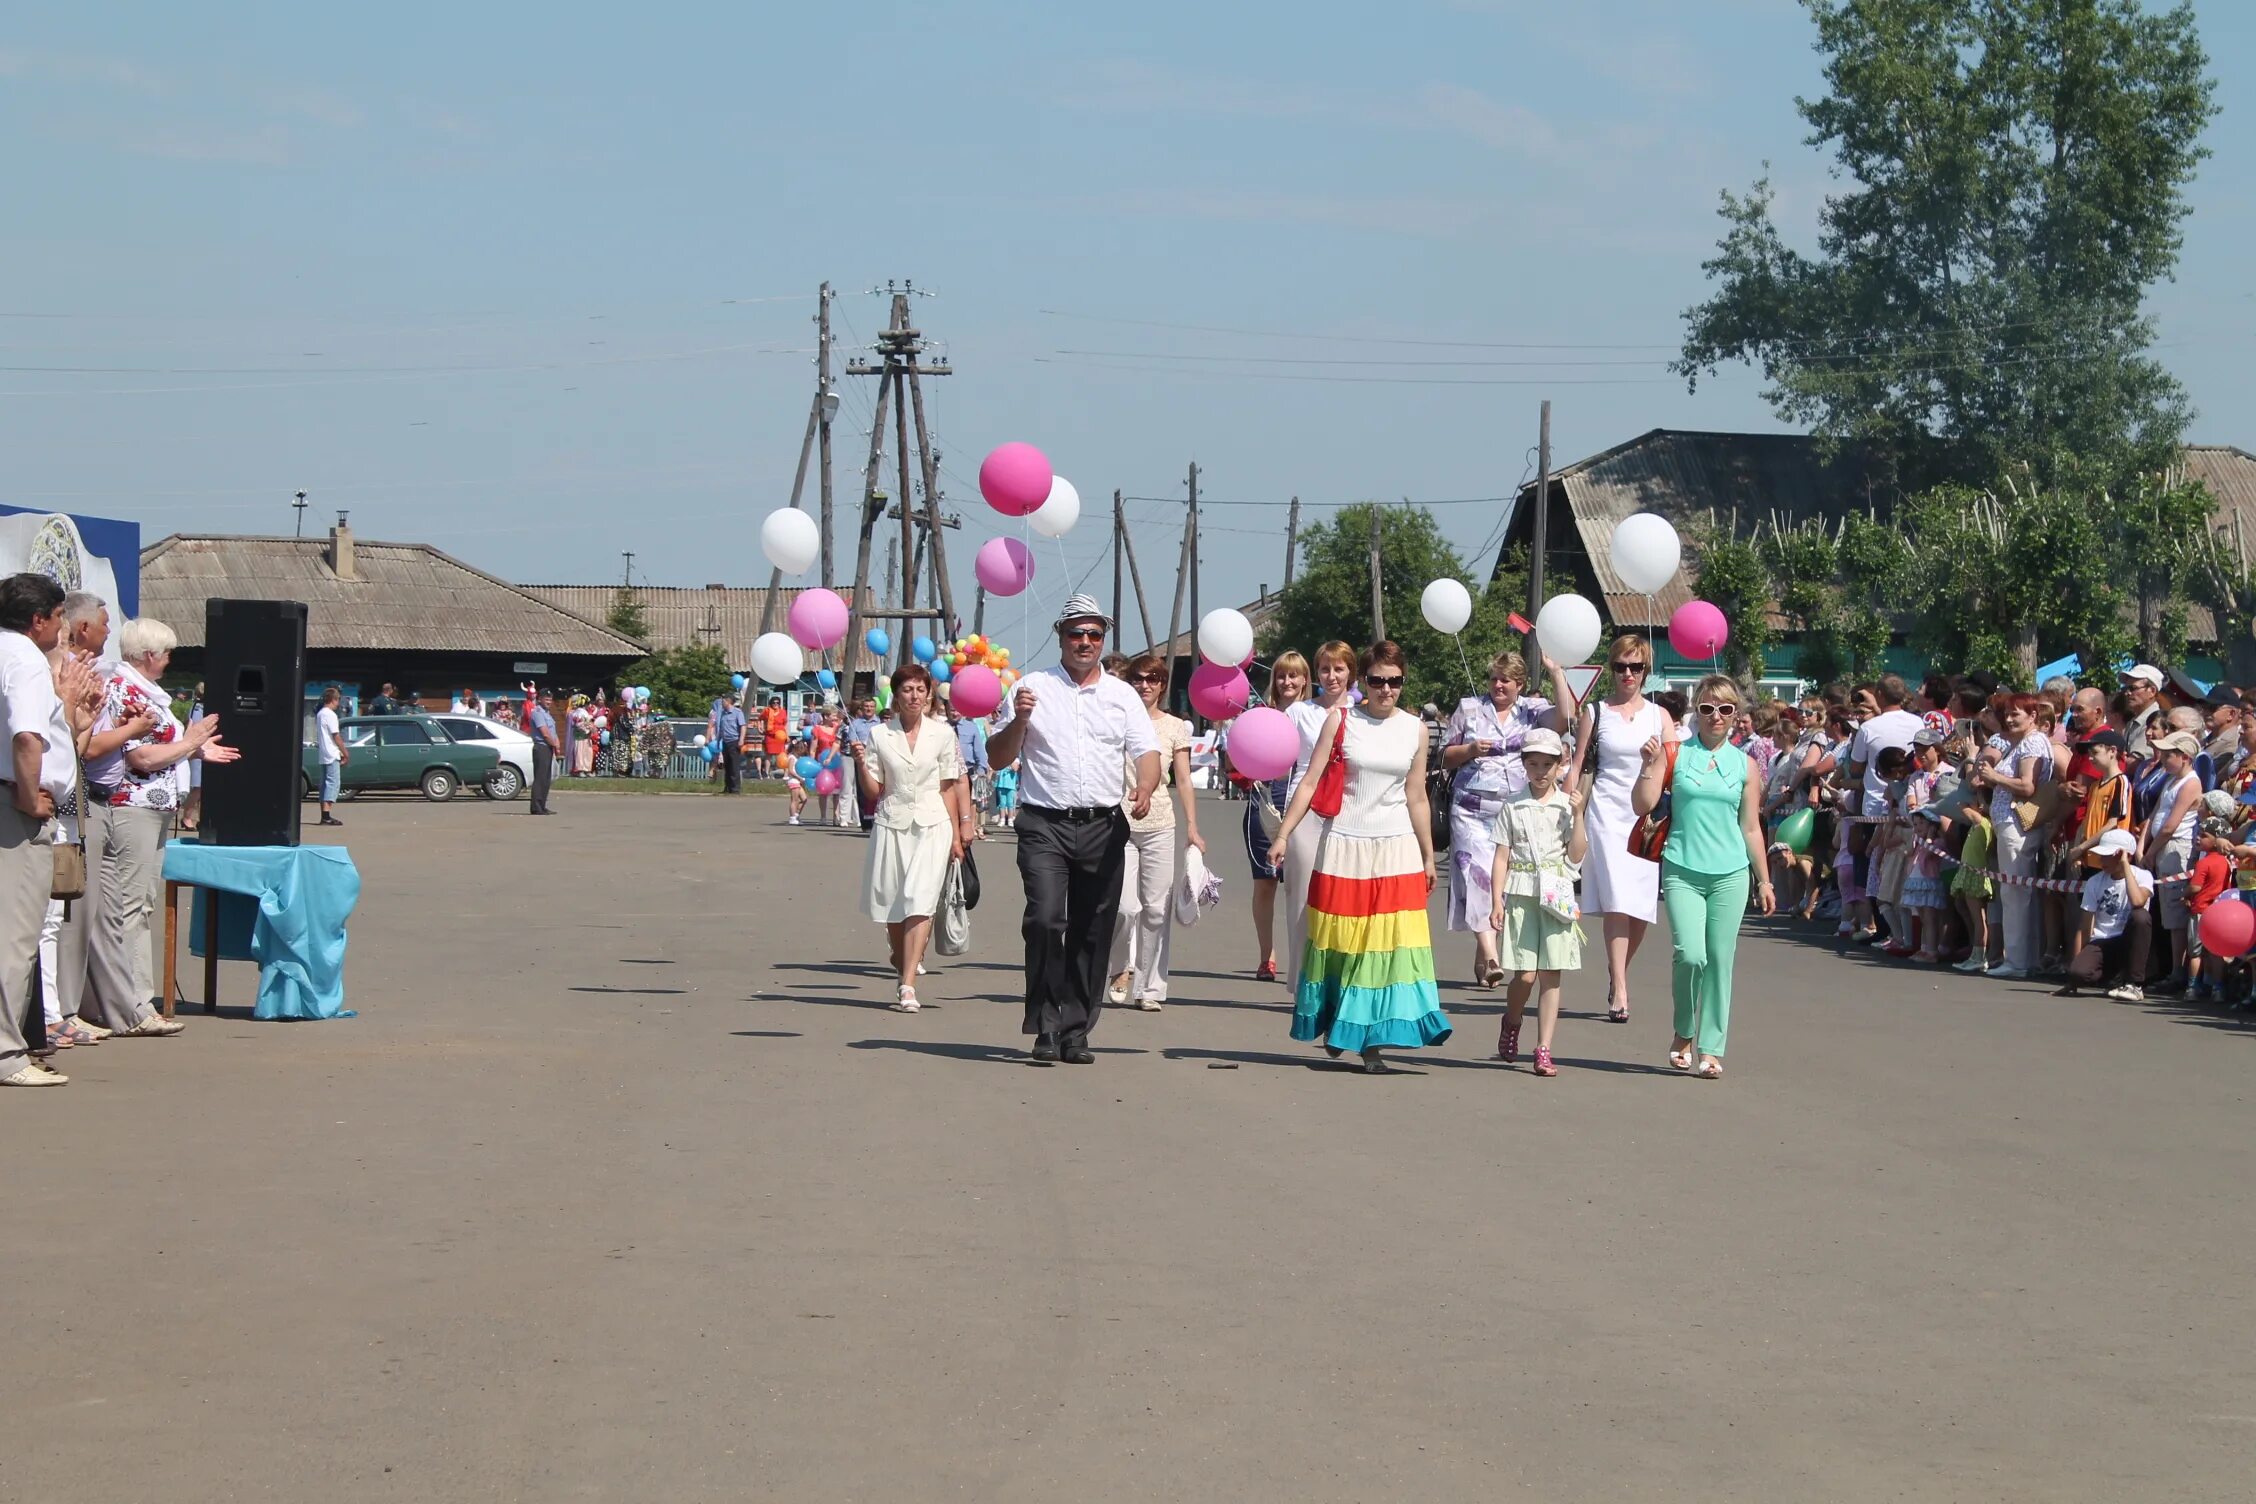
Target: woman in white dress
[909, 769]
[1335, 675]
[1624, 889]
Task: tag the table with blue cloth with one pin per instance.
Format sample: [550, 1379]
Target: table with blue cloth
[282, 906]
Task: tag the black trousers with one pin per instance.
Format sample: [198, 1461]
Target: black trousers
[732, 769]
[2123, 957]
[1071, 870]
[544, 769]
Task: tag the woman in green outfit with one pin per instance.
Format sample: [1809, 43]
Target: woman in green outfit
[1715, 847]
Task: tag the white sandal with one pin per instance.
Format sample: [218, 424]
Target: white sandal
[906, 1002]
[1711, 1069]
[1681, 1059]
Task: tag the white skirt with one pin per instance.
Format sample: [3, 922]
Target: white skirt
[1613, 881]
[905, 871]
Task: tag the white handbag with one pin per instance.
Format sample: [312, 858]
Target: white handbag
[951, 925]
[1197, 891]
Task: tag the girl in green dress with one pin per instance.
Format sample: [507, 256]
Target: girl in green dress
[1541, 840]
[1715, 846]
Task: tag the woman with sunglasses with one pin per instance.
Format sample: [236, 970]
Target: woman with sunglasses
[1265, 811]
[1147, 883]
[1481, 746]
[1715, 846]
[1335, 676]
[1367, 972]
[1624, 889]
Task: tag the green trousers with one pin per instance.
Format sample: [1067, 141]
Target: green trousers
[1704, 911]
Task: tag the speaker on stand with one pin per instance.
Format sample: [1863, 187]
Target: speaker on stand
[254, 681]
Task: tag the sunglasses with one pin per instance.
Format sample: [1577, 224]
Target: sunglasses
[1726, 709]
[1383, 681]
[1083, 634]
[1147, 678]
[1631, 668]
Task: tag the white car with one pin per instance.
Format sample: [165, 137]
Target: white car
[515, 747]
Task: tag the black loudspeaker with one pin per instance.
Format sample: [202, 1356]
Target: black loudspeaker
[254, 681]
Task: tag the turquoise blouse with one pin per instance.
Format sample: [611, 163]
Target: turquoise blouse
[1704, 831]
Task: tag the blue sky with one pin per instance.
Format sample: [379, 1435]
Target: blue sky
[534, 283]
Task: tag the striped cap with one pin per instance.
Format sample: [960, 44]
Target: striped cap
[1082, 608]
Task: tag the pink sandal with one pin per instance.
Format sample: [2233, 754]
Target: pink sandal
[1543, 1065]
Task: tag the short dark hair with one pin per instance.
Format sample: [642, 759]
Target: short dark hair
[910, 673]
[24, 598]
[1891, 691]
[1146, 663]
[1386, 651]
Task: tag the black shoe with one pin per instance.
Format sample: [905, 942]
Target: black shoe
[1074, 1050]
[331, 820]
[1045, 1051]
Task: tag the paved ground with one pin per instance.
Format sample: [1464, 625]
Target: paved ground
[623, 1186]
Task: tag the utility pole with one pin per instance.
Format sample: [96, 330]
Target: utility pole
[898, 369]
[1194, 547]
[1136, 578]
[300, 504]
[979, 610]
[819, 414]
[626, 580]
[1175, 615]
[892, 572]
[1378, 600]
[1292, 539]
[1117, 530]
[1541, 527]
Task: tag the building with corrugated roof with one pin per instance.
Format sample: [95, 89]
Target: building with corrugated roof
[724, 616]
[402, 613]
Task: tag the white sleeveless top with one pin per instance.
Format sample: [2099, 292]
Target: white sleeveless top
[1379, 755]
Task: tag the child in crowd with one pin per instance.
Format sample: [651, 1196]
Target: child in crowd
[1926, 892]
[1541, 840]
[2115, 932]
[1890, 851]
[791, 779]
[1971, 887]
[2212, 873]
[1006, 797]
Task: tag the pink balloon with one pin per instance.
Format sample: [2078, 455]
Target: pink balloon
[817, 619]
[827, 782]
[1264, 744]
[1698, 630]
[975, 691]
[1219, 690]
[1004, 565]
[1015, 479]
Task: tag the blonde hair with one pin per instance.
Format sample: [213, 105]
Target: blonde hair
[1335, 652]
[143, 636]
[1508, 666]
[1289, 662]
[1724, 681]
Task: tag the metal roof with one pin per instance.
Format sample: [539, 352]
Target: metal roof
[724, 616]
[405, 597]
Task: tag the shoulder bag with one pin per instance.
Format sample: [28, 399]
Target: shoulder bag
[968, 879]
[1331, 784]
[70, 857]
[951, 925]
[1648, 838]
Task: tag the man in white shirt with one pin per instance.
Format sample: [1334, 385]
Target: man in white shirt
[329, 737]
[31, 622]
[1072, 732]
[1894, 726]
[2116, 931]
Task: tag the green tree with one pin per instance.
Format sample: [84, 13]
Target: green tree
[1331, 599]
[626, 616]
[1734, 577]
[2013, 182]
[682, 681]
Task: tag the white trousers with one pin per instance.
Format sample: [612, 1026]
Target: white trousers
[1140, 933]
[2019, 854]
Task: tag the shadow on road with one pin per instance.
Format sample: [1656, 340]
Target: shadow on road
[766, 1034]
[1347, 1064]
[953, 1050]
[639, 991]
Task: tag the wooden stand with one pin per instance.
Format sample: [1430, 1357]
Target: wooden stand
[172, 948]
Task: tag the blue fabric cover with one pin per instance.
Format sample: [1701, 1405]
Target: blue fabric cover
[296, 931]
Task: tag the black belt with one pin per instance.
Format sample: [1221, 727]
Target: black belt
[1078, 815]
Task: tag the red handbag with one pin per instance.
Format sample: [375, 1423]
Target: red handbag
[1331, 784]
[1648, 838]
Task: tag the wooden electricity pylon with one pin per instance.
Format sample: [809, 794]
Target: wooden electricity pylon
[899, 396]
[819, 414]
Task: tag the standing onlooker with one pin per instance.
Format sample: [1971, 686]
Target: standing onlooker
[2221, 725]
[2013, 779]
[1074, 731]
[971, 746]
[910, 772]
[1714, 844]
[2115, 931]
[146, 779]
[540, 722]
[386, 702]
[2142, 690]
[1140, 931]
[329, 737]
[1367, 972]
[2166, 847]
[728, 733]
[31, 623]
[1481, 746]
[1624, 889]
[1887, 724]
[854, 808]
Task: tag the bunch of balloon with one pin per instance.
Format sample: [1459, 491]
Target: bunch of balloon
[1220, 690]
[980, 673]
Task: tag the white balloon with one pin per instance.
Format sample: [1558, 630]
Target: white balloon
[1567, 628]
[1055, 518]
[1646, 552]
[1225, 637]
[1447, 606]
[791, 540]
[776, 659]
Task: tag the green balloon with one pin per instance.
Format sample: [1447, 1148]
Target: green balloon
[1795, 830]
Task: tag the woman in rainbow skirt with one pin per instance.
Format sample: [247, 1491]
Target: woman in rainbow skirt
[1367, 970]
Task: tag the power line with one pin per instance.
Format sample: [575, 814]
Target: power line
[1375, 380]
[1451, 501]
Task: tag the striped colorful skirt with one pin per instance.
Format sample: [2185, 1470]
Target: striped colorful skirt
[1367, 970]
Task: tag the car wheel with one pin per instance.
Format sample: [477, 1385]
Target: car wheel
[504, 782]
[306, 784]
[439, 785]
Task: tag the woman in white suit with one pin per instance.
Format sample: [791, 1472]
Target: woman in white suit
[909, 769]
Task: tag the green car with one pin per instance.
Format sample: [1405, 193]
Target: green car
[407, 752]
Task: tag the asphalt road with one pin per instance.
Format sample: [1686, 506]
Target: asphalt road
[623, 1186]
